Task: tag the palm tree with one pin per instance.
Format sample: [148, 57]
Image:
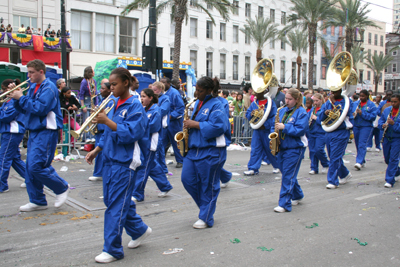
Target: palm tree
[358, 54]
[260, 30]
[351, 15]
[308, 13]
[377, 63]
[179, 12]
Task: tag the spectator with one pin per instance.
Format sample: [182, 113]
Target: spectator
[47, 33]
[134, 87]
[70, 103]
[22, 29]
[177, 85]
[9, 29]
[230, 98]
[28, 30]
[68, 34]
[61, 84]
[246, 96]
[86, 92]
[234, 94]
[58, 33]
[39, 31]
[225, 94]
[52, 34]
[238, 105]
[2, 30]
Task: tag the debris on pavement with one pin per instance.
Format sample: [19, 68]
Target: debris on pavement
[172, 251]
[359, 242]
[265, 249]
[235, 241]
[313, 225]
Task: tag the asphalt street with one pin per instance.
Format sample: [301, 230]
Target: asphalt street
[353, 225]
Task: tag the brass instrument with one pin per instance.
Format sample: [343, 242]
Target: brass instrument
[334, 114]
[3, 96]
[384, 131]
[355, 113]
[182, 137]
[275, 137]
[88, 122]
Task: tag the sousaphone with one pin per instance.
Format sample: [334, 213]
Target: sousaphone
[262, 78]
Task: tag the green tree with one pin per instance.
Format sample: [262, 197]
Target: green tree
[261, 30]
[307, 15]
[179, 12]
[358, 54]
[377, 63]
[351, 14]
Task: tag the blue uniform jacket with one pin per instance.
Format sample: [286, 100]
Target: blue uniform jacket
[177, 108]
[154, 116]
[225, 105]
[381, 104]
[102, 127]
[122, 146]
[164, 104]
[327, 105]
[394, 130]
[214, 129]
[42, 110]
[270, 121]
[11, 121]
[294, 133]
[315, 128]
[368, 114]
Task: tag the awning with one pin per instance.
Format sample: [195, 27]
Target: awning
[5, 54]
[48, 57]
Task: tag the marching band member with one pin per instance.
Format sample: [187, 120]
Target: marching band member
[365, 115]
[336, 142]
[376, 132]
[391, 140]
[260, 141]
[208, 134]
[151, 167]
[385, 100]
[316, 138]
[12, 131]
[42, 112]
[293, 125]
[309, 108]
[121, 156]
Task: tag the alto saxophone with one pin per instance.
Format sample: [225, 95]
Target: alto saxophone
[182, 137]
[275, 138]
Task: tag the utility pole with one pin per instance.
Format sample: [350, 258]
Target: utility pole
[63, 41]
[153, 34]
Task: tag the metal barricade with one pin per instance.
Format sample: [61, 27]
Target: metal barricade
[242, 132]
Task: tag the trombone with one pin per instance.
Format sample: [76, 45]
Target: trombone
[92, 127]
[3, 96]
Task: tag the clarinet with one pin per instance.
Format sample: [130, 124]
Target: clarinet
[384, 131]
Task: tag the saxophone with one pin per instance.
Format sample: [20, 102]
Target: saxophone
[182, 137]
[275, 138]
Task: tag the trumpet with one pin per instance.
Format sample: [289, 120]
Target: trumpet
[3, 96]
[91, 127]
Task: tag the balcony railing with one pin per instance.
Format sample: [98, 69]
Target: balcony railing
[236, 76]
[222, 76]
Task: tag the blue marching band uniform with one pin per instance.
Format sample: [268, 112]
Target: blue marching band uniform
[164, 104]
[226, 176]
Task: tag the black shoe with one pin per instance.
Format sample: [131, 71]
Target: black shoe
[178, 165]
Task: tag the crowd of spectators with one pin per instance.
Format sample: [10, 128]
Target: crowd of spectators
[32, 31]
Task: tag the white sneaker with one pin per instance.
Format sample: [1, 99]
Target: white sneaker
[311, 172]
[363, 165]
[134, 199]
[5, 191]
[135, 243]
[377, 150]
[276, 170]
[345, 179]
[324, 170]
[369, 148]
[163, 194]
[32, 207]
[264, 163]
[279, 209]
[224, 185]
[331, 186]
[93, 140]
[200, 224]
[104, 257]
[249, 172]
[95, 178]
[61, 198]
[296, 202]
[387, 185]
[23, 185]
[357, 166]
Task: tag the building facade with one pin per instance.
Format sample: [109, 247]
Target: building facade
[396, 15]
[392, 72]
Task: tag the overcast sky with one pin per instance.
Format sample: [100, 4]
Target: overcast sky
[380, 13]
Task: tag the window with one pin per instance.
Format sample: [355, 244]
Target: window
[283, 45]
[193, 2]
[104, 1]
[394, 53]
[272, 44]
[340, 30]
[283, 71]
[209, 7]
[127, 35]
[247, 68]
[376, 39]
[323, 73]
[272, 14]
[361, 76]
[171, 53]
[332, 49]
[222, 66]
[369, 52]
[294, 72]
[209, 30]
[375, 52]
[394, 69]
[246, 38]
[222, 32]
[209, 63]
[81, 28]
[105, 33]
[382, 40]
[193, 27]
[235, 11]
[304, 74]
[315, 75]
[260, 11]
[27, 21]
[172, 26]
[283, 18]
[368, 75]
[235, 34]
[248, 10]
[235, 68]
[193, 59]
[332, 30]
[369, 38]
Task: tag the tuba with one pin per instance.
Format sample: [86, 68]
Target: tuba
[340, 73]
[182, 137]
[262, 78]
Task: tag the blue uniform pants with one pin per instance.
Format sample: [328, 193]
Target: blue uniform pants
[10, 156]
[39, 172]
[201, 180]
[361, 136]
[376, 133]
[118, 183]
[98, 163]
[226, 176]
[316, 145]
[289, 164]
[391, 152]
[336, 146]
[154, 170]
[169, 136]
[259, 149]
[160, 155]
